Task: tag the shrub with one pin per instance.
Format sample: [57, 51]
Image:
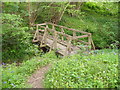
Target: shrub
[104, 29]
[92, 71]
[16, 40]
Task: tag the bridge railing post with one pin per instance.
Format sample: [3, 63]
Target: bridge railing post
[54, 44]
[62, 30]
[89, 42]
[36, 34]
[68, 48]
[44, 38]
[74, 34]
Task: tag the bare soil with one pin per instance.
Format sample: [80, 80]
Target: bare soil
[36, 80]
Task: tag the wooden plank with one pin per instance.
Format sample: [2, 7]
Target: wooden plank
[60, 33]
[83, 36]
[59, 46]
[68, 28]
[41, 30]
[82, 41]
[64, 47]
[62, 30]
[64, 34]
[41, 24]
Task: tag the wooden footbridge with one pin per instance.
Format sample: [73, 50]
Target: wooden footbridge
[65, 41]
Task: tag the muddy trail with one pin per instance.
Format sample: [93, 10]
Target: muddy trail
[36, 80]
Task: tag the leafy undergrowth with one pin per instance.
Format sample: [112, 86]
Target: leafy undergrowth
[100, 26]
[92, 71]
[16, 76]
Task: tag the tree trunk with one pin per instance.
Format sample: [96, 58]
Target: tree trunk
[78, 5]
[58, 16]
[62, 13]
[29, 13]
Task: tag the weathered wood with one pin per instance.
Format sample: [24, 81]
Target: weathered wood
[74, 33]
[60, 33]
[83, 36]
[68, 48]
[62, 30]
[69, 28]
[44, 38]
[42, 27]
[54, 44]
[65, 47]
[36, 35]
[41, 30]
[42, 24]
[83, 42]
[92, 43]
[39, 24]
[53, 27]
[89, 41]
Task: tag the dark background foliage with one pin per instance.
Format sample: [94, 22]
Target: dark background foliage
[98, 18]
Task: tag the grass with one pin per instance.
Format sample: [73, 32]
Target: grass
[78, 71]
[16, 76]
[93, 71]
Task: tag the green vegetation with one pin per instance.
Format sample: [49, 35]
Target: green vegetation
[92, 71]
[98, 70]
[104, 29]
[14, 76]
[20, 57]
[16, 39]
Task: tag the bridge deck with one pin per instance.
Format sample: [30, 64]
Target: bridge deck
[60, 47]
[59, 40]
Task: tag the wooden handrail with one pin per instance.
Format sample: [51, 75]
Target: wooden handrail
[69, 38]
[57, 32]
[83, 36]
[69, 28]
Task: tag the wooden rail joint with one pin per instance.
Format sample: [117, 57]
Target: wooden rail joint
[55, 34]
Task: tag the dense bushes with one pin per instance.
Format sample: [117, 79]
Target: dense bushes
[92, 71]
[98, 18]
[16, 43]
[103, 8]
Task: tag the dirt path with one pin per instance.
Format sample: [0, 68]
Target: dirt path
[36, 80]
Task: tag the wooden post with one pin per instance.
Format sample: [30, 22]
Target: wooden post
[55, 40]
[46, 33]
[74, 34]
[53, 27]
[68, 48]
[54, 44]
[36, 34]
[44, 39]
[37, 27]
[89, 41]
[92, 43]
[62, 30]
